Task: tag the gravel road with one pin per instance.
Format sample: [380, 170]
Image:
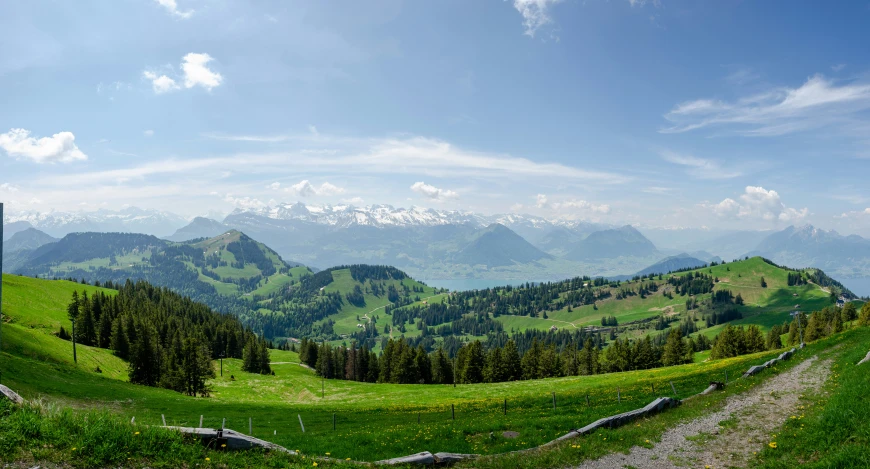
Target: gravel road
[752, 416]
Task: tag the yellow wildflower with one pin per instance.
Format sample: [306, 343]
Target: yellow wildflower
[136, 433]
[208, 459]
[73, 449]
[772, 444]
[315, 464]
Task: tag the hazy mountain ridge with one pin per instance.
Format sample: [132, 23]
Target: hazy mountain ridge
[128, 220]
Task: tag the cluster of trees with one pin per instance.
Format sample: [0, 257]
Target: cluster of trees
[609, 321]
[735, 340]
[795, 279]
[498, 359]
[693, 283]
[168, 340]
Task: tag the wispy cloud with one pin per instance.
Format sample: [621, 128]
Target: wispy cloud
[817, 103]
[171, 6]
[838, 67]
[535, 13]
[414, 155]
[570, 206]
[699, 167]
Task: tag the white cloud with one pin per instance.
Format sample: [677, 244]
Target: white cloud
[59, 147]
[570, 205]
[244, 202]
[536, 13]
[7, 187]
[657, 190]
[838, 67]
[581, 205]
[758, 203]
[852, 214]
[305, 189]
[148, 133]
[197, 73]
[433, 192]
[354, 201]
[160, 83]
[274, 186]
[699, 167]
[815, 104]
[172, 7]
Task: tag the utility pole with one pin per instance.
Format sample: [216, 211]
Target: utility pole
[1, 274]
[797, 315]
[222, 364]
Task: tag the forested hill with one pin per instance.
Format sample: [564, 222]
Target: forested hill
[219, 271]
[698, 301]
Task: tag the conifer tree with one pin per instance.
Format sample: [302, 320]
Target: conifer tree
[73, 315]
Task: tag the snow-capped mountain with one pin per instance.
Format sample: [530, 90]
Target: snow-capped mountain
[131, 220]
[342, 216]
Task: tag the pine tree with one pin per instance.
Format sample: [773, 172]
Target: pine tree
[754, 340]
[119, 343]
[73, 315]
[773, 340]
[144, 367]
[674, 352]
[864, 318]
[513, 369]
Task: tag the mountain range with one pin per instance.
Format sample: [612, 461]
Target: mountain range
[448, 244]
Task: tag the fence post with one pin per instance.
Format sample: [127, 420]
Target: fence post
[163, 417]
[505, 406]
[224, 423]
[133, 421]
[418, 418]
[554, 401]
[587, 399]
[653, 386]
[200, 421]
[250, 426]
[453, 412]
[333, 421]
[618, 395]
[300, 423]
[726, 376]
[673, 389]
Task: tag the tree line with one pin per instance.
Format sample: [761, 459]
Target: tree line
[168, 340]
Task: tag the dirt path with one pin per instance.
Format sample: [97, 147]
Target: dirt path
[750, 419]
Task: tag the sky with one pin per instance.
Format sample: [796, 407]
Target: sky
[668, 113]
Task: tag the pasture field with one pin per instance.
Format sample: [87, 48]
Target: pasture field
[372, 421]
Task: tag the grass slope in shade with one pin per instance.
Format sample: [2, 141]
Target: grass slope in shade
[43, 433]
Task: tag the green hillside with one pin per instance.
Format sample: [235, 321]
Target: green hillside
[225, 271]
[639, 305]
[373, 421]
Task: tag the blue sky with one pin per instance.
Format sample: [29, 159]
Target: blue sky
[741, 114]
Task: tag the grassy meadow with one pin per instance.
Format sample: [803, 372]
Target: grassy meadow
[372, 421]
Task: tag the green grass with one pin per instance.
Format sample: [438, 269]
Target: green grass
[830, 428]
[373, 421]
[346, 319]
[836, 433]
[40, 433]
